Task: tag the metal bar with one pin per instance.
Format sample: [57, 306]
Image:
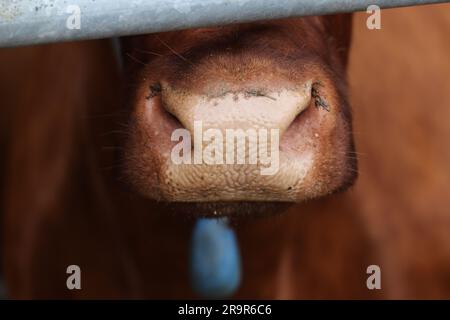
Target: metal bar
[24, 22]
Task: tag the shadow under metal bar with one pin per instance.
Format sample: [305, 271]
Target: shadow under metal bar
[24, 22]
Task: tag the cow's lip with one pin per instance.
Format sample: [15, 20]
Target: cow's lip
[232, 208]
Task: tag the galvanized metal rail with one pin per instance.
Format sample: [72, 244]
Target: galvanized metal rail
[24, 22]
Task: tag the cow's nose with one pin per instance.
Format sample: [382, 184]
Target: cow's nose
[249, 108]
[254, 143]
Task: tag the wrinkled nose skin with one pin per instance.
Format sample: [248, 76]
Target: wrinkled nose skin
[271, 80]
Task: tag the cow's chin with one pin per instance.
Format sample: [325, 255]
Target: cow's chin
[234, 209]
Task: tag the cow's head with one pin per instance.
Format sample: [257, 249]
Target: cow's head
[287, 75]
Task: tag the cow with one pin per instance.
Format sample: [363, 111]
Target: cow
[88, 177]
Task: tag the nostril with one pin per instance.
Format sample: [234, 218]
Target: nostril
[172, 117]
[156, 94]
[159, 122]
[309, 98]
[307, 124]
[316, 99]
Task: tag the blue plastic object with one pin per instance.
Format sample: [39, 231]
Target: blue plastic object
[215, 259]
